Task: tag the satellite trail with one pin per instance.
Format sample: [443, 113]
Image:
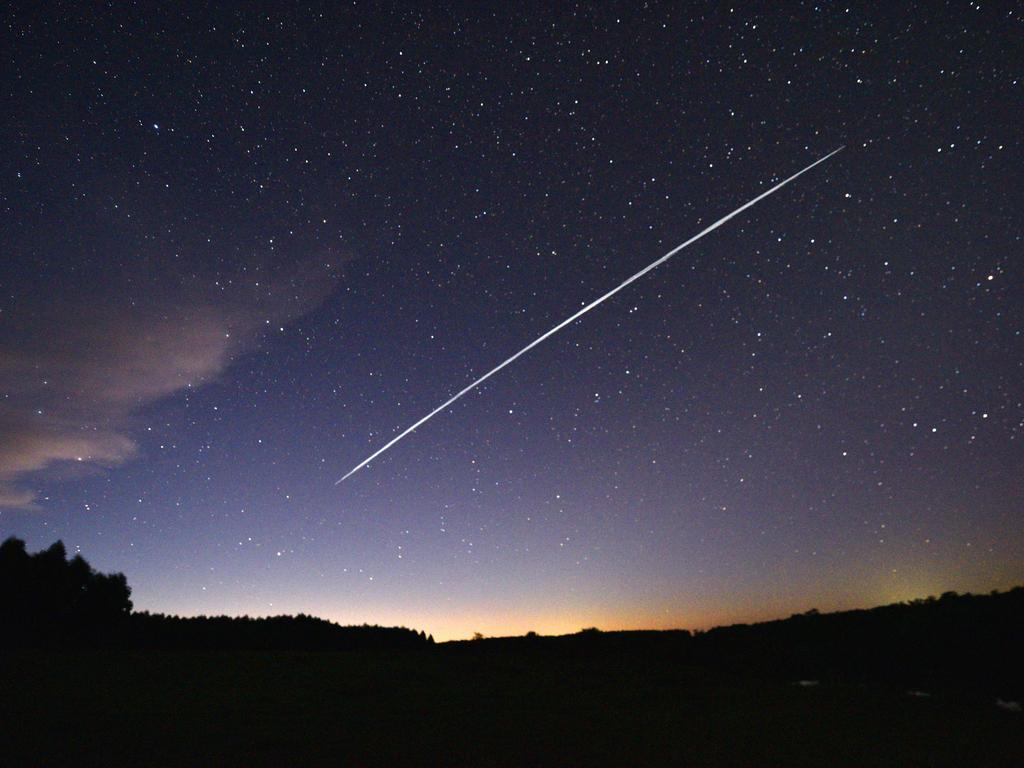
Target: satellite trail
[580, 314]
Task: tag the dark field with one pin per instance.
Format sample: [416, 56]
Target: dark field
[468, 704]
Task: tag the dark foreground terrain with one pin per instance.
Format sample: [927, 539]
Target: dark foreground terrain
[469, 704]
[85, 681]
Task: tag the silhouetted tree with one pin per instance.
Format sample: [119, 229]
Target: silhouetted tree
[45, 598]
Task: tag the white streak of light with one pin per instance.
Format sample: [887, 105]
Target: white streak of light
[582, 312]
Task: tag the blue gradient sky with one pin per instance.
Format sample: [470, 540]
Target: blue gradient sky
[243, 250]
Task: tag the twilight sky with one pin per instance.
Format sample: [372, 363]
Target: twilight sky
[242, 249]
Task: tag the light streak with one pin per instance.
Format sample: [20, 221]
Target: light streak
[575, 316]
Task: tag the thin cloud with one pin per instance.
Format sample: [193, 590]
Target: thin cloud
[72, 375]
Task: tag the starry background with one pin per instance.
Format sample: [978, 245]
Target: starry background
[242, 248]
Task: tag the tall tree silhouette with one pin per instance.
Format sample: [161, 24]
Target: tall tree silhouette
[47, 598]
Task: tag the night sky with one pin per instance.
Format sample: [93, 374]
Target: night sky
[243, 248]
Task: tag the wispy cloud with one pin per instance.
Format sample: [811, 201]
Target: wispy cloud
[72, 372]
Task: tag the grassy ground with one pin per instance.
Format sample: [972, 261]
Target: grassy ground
[447, 707]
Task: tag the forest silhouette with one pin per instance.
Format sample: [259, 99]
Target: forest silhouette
[47, 599]
[968, 642]
[90, 681]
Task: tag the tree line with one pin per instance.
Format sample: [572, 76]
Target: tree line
[963, 641]
[966, 642]
[47, 599]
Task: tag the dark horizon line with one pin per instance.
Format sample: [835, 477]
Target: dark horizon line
[809, 612]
